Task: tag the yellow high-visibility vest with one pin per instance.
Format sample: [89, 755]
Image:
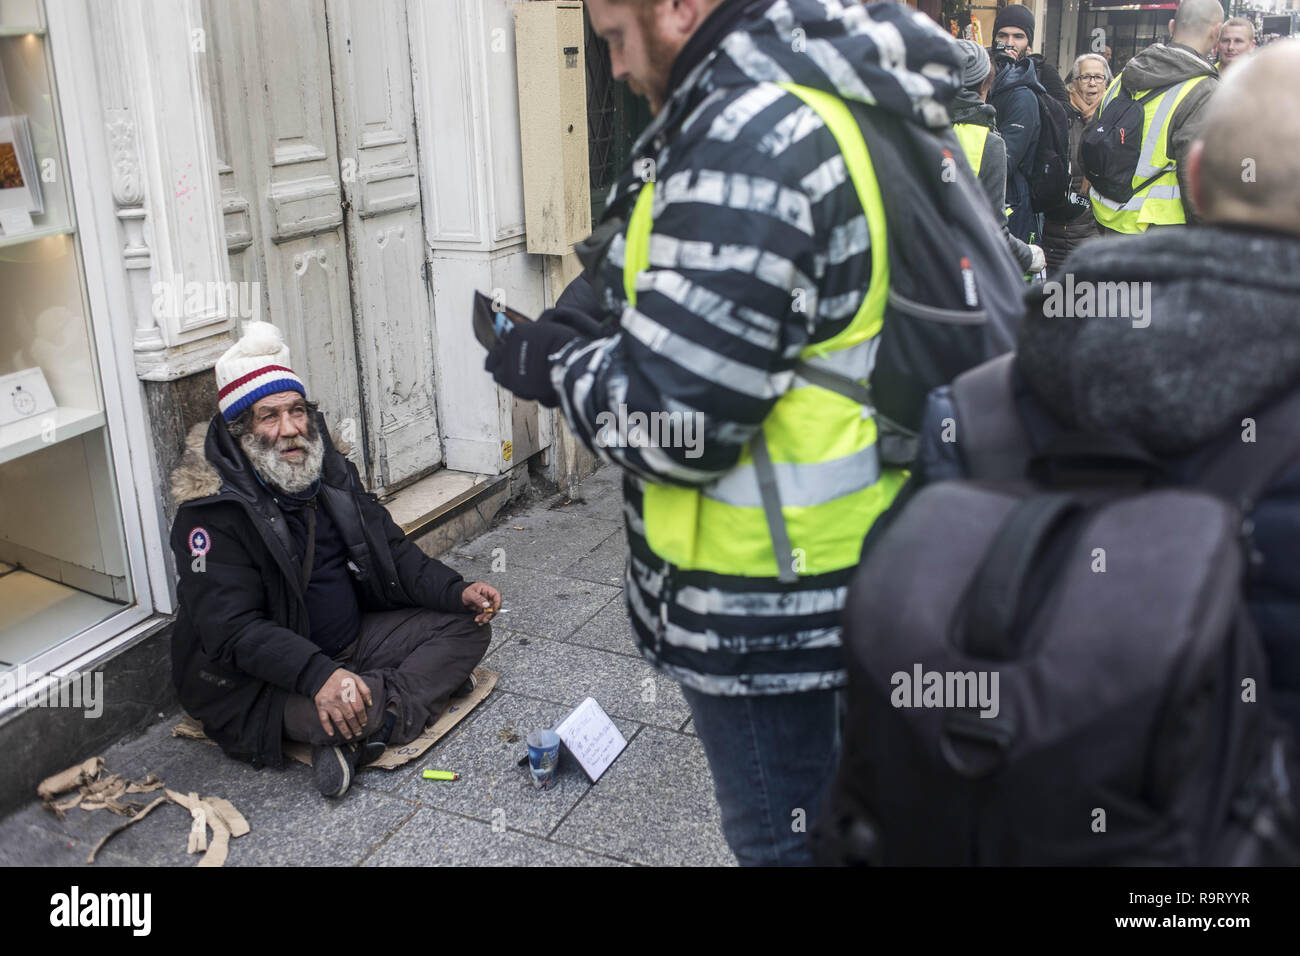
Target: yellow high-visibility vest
[809, 485]
[972, 137]
[1159, 202]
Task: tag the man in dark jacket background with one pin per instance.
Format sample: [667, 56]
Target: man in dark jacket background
[1218, 344]
[975, 122]
[1015, 97]
[1014, 29]
[304, 611]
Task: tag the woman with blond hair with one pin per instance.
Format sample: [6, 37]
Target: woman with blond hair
[1088, 82]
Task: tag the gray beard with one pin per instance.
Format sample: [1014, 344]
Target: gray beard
[294, 477]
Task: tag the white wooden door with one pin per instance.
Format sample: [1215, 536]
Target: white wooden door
[321, 192]
[381, 184]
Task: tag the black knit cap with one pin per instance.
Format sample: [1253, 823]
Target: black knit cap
[1015, 15]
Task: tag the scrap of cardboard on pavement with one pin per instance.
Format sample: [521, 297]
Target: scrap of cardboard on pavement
[97, 792]
[457, 709]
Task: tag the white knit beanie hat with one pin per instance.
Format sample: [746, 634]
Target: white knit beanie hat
[254, 367]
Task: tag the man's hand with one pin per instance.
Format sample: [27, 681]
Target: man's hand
[522, 360]
[341, 702]
[483, 598]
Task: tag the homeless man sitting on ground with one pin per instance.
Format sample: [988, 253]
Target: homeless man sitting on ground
[368, 650]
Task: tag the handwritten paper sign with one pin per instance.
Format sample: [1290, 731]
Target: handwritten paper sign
[591, 737]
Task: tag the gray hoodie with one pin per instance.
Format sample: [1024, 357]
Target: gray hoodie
[1161, 65]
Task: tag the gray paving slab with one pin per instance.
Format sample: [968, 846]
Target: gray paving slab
[26, 844]
[492, 786]
[604, 563]
[658, 809]
[541, 603]
[539, 539]
[566, 674]
[436, 838]
[609, 630]
[601, 494]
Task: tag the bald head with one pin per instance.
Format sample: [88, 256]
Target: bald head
[1196, 24]
[1245, 169]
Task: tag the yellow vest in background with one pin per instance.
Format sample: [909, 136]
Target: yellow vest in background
[1159, 202]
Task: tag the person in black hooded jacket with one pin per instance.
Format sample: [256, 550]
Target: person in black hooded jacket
[304, 612]
[1015, 97]
[975, 122]
[1215, 347]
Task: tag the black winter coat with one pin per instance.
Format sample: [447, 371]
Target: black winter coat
[1062, 238]
[1221, 345]
[240, 646]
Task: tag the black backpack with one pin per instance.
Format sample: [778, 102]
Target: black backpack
[1049, 185]
[1048, 663]
[955, 295]
[1112, 145]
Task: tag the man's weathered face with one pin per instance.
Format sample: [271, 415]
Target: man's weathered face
[284, 445]
[643, 43]
[1016, 40]
[1234, 42]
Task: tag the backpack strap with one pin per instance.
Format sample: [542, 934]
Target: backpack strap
[1245, 469]
[999, 587]
[993, 441]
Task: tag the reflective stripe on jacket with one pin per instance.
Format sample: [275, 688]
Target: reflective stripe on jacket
[809, 485]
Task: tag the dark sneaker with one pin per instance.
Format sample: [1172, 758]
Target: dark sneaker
[332, 768]
[466, 688]
[373, 747]
[371, 751]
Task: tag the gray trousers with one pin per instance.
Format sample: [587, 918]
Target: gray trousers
[412, 660]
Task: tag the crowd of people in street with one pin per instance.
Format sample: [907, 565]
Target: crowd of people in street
[841, 244]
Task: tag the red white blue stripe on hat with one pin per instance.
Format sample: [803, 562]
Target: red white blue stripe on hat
[248, 389]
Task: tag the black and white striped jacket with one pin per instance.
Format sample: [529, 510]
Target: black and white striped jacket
[760, 248]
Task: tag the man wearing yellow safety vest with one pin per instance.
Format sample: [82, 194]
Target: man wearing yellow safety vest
[746, 238]
[1173, 83]
[975, 123]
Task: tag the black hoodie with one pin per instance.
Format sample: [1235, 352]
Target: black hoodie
[1015, 97]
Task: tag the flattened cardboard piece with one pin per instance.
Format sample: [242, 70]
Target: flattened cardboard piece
[96, 792]
[457, 710]
[69, 779]
[122, 826]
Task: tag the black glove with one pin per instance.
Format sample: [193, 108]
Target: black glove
[522, 360]
[578, 320]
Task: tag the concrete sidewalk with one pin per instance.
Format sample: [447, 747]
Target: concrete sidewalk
[565, 637]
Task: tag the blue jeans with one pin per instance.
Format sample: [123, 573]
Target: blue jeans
[772, 760]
